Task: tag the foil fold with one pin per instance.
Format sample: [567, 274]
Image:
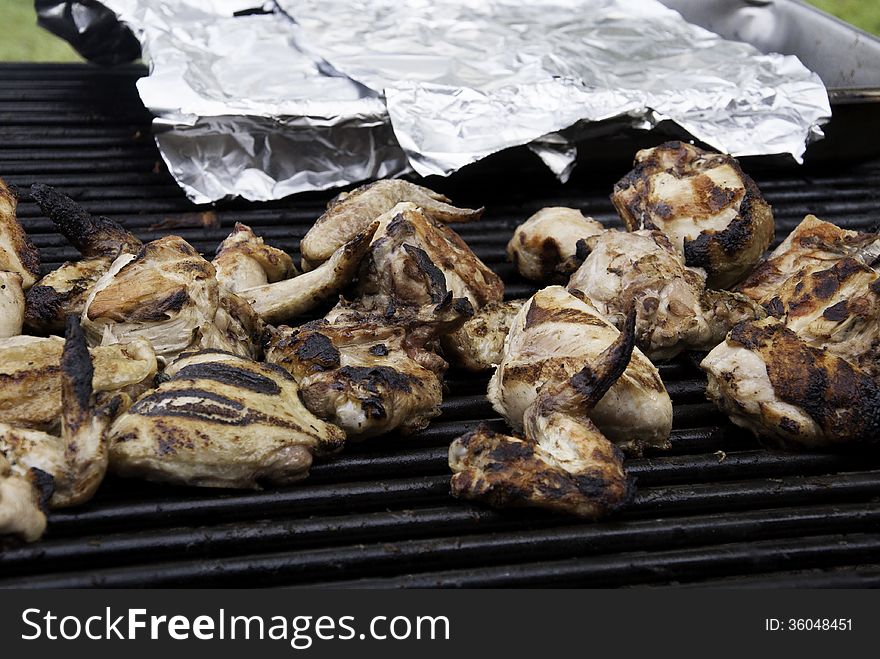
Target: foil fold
[264, 100]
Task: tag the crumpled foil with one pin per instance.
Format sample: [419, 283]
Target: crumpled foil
[321, 93]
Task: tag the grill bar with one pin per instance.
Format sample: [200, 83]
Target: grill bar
[717, 509]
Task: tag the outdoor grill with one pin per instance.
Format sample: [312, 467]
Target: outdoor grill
[717, 509]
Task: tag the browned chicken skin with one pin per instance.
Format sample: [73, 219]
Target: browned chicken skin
[352, 213]
[478, 345]
[367, 373]
[169, 295]
[564, 462]
[708, 207]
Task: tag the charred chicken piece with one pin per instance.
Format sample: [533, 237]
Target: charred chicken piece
[221, 420]
[674, 309]
[244, 261]
[770, 381]
[710, 209]
[169, 295]
[11, 304]
[815, 245]
[551, 339]
[564, 462]
[351, 214]
[63, 292]
[478, 345]
[416, 261]
[370, 374]
[819, 282]
[543, 248]
[62, 471]
[285, 300]
[31, 377]
[17, 252]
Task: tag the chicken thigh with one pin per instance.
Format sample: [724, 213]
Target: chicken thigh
[709, 208]
[674, 310]
[478, 345]
[19, 265]
[244, 261]
[169, 295]
[551, 339]
[221, 420]
[351, 213]
[367, 373]
[772, 382]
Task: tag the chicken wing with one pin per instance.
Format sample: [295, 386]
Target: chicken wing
[31, 377]
[770, 381]
[415, 260]
[221, 420]
[711, 210]
[478, 345]
[674, 309]
[285, 300]
[169, 295]
[367, 373]
[543, 248]
[63, 471]
[244, 261]
[552, 337]
[564, 462]
[351, 214]
[63, 292]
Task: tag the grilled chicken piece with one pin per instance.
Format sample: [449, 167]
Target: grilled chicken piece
[417, 261]
[244, 261]
[351, 214]
[169, 295]
[552, 337]
[710, 209]
[17, 252]
[815, 245]
[66, 470]
[31, 378]
[370, 374]
[819, 282]
[674, 309]
[770, 381]
[543, 248]
[564, 463]
[478, 345]
[221, 421]
[11, 304]
[285, 300]
[63, 292]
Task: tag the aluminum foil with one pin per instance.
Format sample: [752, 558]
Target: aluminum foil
[320, 93]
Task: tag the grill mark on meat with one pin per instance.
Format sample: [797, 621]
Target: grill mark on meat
[379, 350]
[231, 375]
[536, 315]
[376, 377]
[44, 482]
[161, 309]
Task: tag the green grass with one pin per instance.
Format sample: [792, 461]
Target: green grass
[24, 41]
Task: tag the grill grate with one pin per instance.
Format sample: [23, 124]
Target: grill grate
[380, 514]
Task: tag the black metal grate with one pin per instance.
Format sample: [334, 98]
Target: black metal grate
[717, 509]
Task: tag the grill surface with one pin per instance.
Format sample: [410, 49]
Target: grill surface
[717, 509]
